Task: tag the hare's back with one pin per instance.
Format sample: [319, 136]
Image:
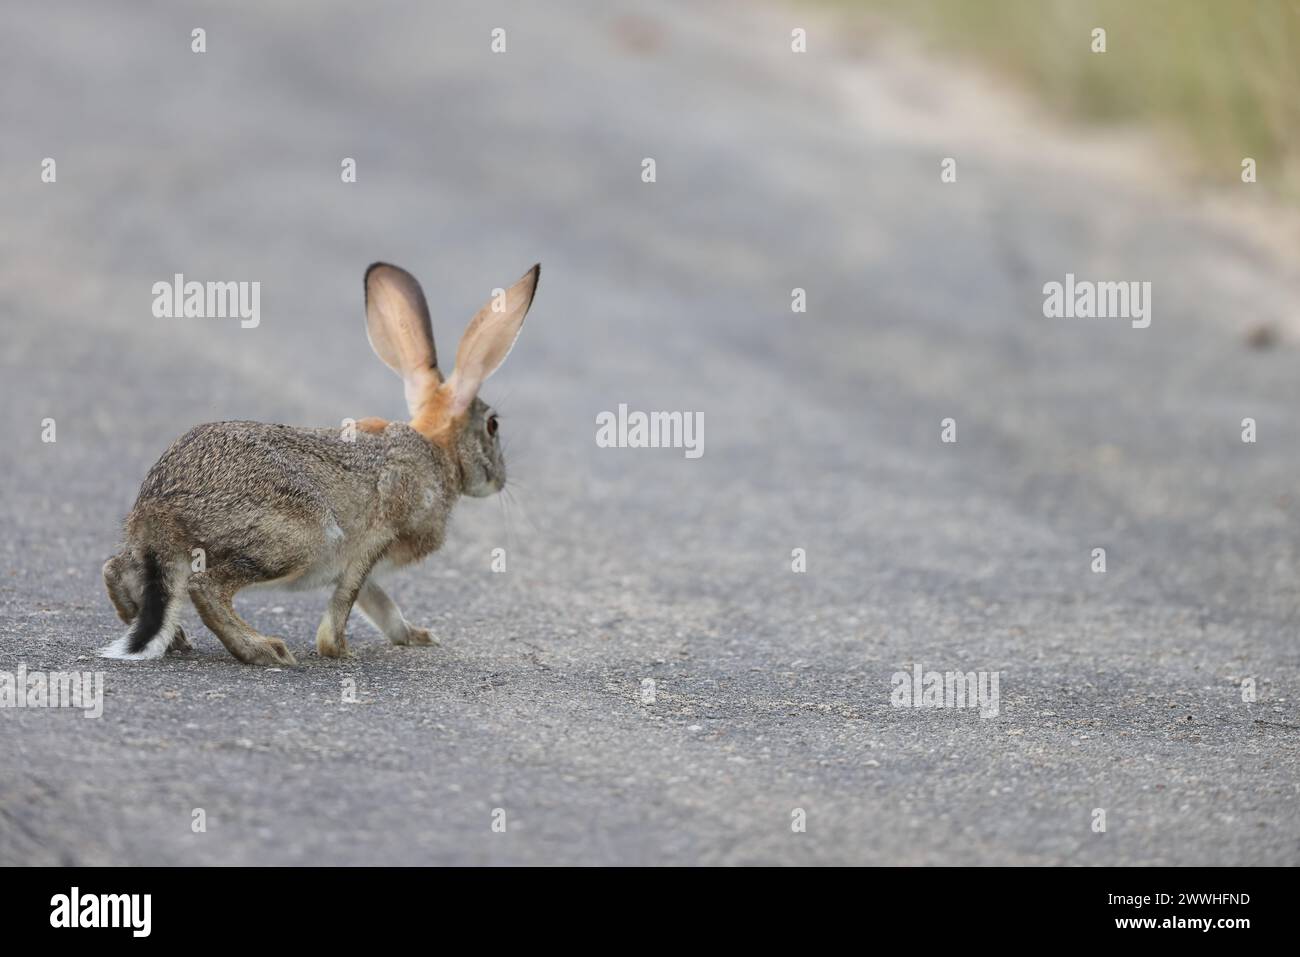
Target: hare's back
[239, 472]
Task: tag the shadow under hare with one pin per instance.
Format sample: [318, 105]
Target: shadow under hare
[310, 508]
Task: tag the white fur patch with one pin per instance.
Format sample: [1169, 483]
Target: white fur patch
[158, 644]
[117, 650]
[333, 533]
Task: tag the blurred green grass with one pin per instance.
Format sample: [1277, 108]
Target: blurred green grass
[1222, 74]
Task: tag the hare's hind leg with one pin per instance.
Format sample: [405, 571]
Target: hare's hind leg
[213, 599]
[125, 589]
[382, 612]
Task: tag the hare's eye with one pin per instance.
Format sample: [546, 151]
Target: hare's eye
[492, 425]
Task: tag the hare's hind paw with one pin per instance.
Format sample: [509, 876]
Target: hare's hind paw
[268, 651]
[180, 642]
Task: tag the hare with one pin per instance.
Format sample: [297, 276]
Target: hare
[305, 508]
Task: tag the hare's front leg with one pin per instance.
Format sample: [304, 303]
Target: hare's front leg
[383, 613]
[331, 641]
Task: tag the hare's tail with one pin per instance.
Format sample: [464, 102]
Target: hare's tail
[158, 616]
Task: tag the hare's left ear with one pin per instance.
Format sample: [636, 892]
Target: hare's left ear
[487, 341]
[398, 327]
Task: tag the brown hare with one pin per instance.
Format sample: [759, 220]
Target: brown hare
[308, 508]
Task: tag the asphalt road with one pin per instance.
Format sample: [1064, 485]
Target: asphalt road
[1118, 691]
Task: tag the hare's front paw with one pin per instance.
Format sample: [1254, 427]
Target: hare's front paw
[416, 636]
[329, 642]
[180, 642]
[333, 649]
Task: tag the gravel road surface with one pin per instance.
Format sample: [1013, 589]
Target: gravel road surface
[1120, 691]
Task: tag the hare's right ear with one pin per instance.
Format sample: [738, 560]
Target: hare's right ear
[398, 327]
[488, 340]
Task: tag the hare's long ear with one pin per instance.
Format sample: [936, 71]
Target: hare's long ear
[487, 341]
[397, 325]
